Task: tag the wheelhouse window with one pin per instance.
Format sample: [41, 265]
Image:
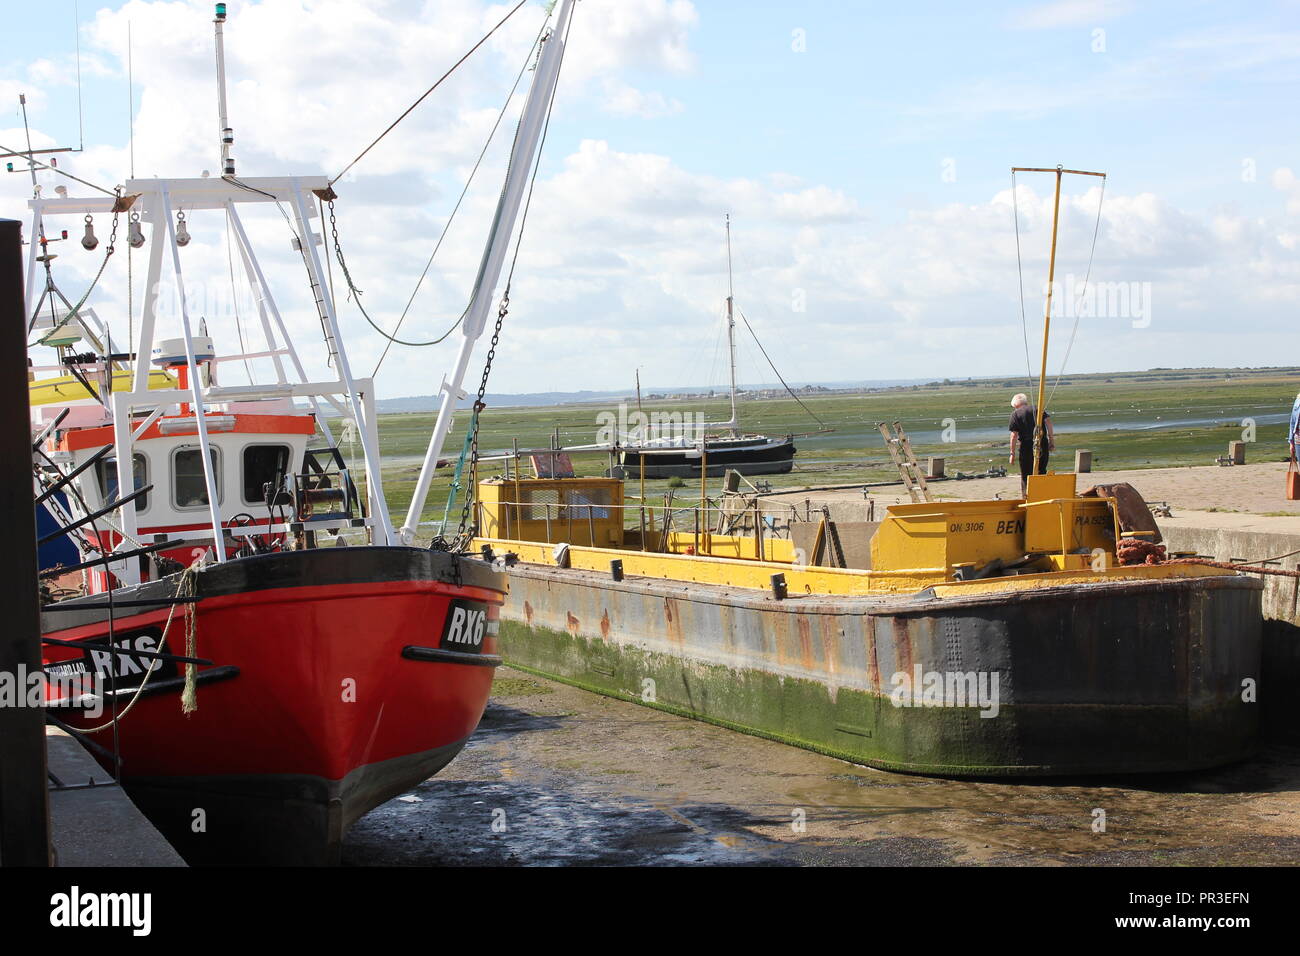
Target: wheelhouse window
[106, 470]
[189, 488]
[263, 465]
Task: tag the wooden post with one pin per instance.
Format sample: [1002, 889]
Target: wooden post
[1237, 452]
[1082, 461]
[24, 787]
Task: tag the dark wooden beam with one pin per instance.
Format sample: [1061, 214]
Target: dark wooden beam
[24, 791]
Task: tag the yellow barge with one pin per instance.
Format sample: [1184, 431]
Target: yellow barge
[982, 638]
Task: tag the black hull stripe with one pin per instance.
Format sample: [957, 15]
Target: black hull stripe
[439, 656]
[291, 569]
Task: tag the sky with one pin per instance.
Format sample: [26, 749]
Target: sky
[862, 150]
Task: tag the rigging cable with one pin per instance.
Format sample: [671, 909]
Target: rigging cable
[36, 162]
[234, 301]
[1020, 275]
[774, 369]
[1087, 275]
[447, 226]
[463, 533]
[428, 91]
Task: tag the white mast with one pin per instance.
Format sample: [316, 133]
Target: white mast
[227, 135]
[503, 224]
[732, 424]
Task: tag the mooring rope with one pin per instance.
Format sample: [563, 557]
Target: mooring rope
[184, 588]
[1135, 551]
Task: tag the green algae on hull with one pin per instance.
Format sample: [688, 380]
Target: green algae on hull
[1061, 710]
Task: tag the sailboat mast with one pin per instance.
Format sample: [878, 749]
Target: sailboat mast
[1051, 283]
[1047, 325]
[731, 331]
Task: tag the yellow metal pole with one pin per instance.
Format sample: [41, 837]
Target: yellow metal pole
[1047, 325]
[704, 494]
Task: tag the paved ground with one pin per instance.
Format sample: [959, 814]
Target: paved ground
[97, 825]
[1256, 489]
[574, 778]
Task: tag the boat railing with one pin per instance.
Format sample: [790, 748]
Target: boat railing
[702, 527]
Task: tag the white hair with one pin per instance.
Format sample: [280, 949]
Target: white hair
[1020, 398]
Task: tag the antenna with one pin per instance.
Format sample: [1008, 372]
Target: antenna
[22, 101]
[227, 134]
[130, 96]
[76, 33]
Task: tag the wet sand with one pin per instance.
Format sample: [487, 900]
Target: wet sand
[569, 777]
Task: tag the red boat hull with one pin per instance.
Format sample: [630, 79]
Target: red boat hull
[333, 688]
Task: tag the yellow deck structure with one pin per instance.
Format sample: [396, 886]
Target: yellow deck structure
[968, 547]
[66, 388]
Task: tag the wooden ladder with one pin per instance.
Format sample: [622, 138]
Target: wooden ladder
[900, 449]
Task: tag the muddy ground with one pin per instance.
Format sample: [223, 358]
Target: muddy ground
[556, 775]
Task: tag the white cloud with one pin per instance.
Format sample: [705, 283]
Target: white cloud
[1068, 13]
[624, 100]
[624, 263]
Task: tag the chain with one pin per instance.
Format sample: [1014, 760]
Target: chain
[467, 528]
[355, 294]
[76, 309]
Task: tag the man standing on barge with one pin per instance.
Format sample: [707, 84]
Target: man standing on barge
[1023, 418]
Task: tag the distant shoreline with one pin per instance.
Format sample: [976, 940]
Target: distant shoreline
[424, 404]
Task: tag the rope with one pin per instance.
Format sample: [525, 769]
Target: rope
[1135, 551]
[1253, 569]
[186, 575]
[450, 219]
[355, 294]
[777, 373]
[186, 588]
[421, 99]
[466, 530]
[76, 309]
[454, 490]
[234, 301]
[1020, 275]
[1087, 275]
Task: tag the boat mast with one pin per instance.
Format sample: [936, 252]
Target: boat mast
[1047, 325]
[503, 223]
[1051, 285]
[226, 134]
[731, 332]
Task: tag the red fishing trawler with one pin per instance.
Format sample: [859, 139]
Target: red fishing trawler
[246, 640]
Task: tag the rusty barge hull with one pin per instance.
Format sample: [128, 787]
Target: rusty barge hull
[1099, 678]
